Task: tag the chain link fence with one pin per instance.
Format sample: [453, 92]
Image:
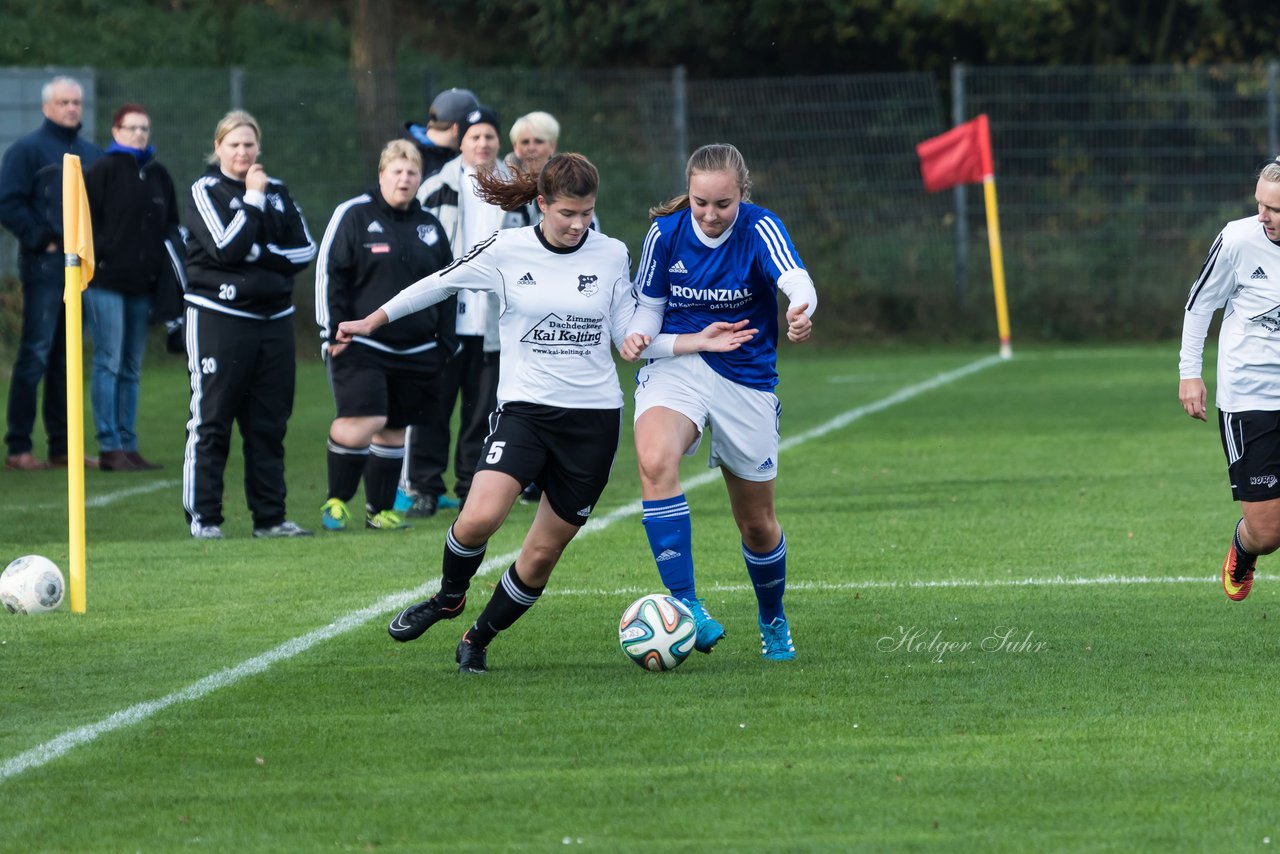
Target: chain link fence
[1112, 181]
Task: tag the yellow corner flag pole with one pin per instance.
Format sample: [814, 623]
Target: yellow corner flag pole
[77, 238]
[997, 265]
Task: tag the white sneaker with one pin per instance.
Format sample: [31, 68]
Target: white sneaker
[284, 529]
[205, 532]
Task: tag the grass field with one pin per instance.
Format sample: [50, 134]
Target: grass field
[1002, 588]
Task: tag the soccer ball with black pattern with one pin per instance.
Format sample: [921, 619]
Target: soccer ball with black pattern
[31, 584]
[657, 632]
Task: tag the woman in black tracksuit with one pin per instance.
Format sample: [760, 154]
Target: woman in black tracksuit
[248, 239]
[375, 245]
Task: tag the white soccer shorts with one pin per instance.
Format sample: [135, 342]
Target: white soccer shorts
[744, 421]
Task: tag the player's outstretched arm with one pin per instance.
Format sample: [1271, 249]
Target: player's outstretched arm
[349, 329]
[719, 337]
[1194, 397]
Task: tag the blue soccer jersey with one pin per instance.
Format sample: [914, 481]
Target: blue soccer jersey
[700, 280]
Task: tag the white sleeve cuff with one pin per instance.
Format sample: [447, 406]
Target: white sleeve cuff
[799, 288]
[257, 198]
[661, 347]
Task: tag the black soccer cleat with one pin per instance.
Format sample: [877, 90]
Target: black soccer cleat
[470, 657]
[410, 623]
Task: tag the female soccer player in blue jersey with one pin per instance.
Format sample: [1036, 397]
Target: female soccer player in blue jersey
[711, 255]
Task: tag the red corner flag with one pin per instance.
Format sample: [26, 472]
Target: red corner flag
[962, 155]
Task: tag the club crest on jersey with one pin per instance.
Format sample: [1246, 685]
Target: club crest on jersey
[429, 234]
[276, 201]
[587, 285]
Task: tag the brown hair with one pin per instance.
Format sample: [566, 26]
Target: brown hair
[564, 175]
[716, 157]
[231, 121]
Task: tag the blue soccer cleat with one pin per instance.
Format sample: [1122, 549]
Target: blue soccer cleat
[709, 630]
[775, 641]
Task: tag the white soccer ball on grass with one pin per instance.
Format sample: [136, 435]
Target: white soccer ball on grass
[31, 584]
[657, 632]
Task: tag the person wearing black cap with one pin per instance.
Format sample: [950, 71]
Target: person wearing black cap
[437, 140]
[451, 195]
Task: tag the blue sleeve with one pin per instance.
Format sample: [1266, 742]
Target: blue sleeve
[652, 280]
[776, 255]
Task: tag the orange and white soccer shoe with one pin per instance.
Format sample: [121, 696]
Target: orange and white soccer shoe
[1237, 580]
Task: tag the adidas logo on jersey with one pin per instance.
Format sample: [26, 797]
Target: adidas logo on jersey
[1259, 274]
[678, 267]
[668, 554]
[767, 465]
[526, 279]
[375, 227]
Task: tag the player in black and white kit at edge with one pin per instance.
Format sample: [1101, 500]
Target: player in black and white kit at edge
[564, 296]
[1242, 277]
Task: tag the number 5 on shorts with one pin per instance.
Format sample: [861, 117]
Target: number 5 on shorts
[495, 452]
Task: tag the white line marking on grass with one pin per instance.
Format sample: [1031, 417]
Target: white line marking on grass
[67, 741]
[110, 498]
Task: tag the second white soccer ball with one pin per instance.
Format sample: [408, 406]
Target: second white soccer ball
[31, 584]
[657, 632]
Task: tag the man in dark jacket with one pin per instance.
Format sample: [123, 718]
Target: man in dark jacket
[437, 140]
[31, 208]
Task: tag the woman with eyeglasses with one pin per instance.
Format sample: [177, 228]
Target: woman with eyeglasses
[134, 211]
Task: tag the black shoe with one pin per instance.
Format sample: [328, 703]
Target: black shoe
[471, 658]
[410, 623]
[423, 507]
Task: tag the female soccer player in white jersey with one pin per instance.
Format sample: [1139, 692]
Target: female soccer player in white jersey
[1242, 275]
[564, 294]
[712, 255]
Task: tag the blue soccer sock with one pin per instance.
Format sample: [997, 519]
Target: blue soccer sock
[670, 533]
[768, 573]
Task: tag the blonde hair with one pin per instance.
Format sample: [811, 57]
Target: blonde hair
[564, 175]
[231, 121]
[399, 149]
[1270, 171]
[716, 157]
[540, 124]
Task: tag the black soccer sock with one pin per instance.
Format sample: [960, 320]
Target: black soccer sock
[509, 602]
[460, 565]
[345, 467]
[381, 476]
[1244, 557]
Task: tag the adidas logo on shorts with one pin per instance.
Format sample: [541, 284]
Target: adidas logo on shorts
[586, 511]
[678, 267]
[767, 465]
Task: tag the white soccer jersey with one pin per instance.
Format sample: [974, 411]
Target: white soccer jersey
[559, 310]
[1241, 273]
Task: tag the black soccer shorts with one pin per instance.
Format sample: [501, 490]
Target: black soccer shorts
[1251, 441]
[366, 382]
[567, 452]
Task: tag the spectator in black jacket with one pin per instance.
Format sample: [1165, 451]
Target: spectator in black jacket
[134, 212]
[31, 208]
[376, 244]
[247, 241]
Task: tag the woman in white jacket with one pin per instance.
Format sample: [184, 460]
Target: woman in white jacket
[468, 219]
